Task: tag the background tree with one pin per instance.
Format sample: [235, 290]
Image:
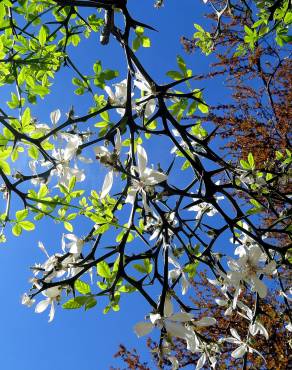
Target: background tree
[251, 44]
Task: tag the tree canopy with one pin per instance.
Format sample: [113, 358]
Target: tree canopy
[172, 202]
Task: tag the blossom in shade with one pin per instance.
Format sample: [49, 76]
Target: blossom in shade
[109, 159]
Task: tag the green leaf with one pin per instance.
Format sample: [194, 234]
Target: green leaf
[203, 108]
[181, 64]
[26, 117]
[82, 287]
[146, 268]
[251, 161]
[146, 43]
[42, 36]
[175, 75]
[68, 226]
[16, 230]
[5, 167]
[245, 165]
[90, 303]
[75, 303]
[27, 225]
[103, 270]
[21, 215]
[33, 152]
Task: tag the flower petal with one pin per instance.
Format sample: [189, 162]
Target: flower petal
[206, 321]
[42, 306]
[107, 184]
[143, 328]
[55, 116]
[201, 361]
[240, 351]
[142, 159]
[52, 312]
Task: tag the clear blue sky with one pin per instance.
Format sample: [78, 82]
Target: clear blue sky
[78, 339]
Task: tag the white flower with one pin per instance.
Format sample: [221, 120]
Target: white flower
[247, 268]
[143, 85]
[52, 295]
[205, 208]
[75, 245]
[41, 128]
[258, 328]
[55, 116]
[74, 141]
[26, 300]
[119, 97]
[63, 169]
[242, 346]
[147, 177]
[108, 158]
[174, 323]
[175, 273]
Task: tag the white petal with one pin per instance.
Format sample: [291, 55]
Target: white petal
[206, 321]
[240, 351]
[142, 159]
[42, 248]
[55, 116]
[176, 330]
[71, 237]
[110, 93]
[155, 177]
[42, 306]
[201, 361]
[174, 262]
[154, 317]
[131, 195]
[182, 317]
[100, 151]
[52, 312]
[143, 328]
[184, 285]
[270, 268]
[221, 302]
[173, 274]
[118, 141]
[107, 184]
[259, 287]
[235, 334]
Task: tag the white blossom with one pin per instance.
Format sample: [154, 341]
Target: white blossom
[174, 323]
[146, 177]
[176, 272]
[119, 97]
[55, 116]
[110, 159]
[75, 245]
[248, 267]
[146, 90]
[26, 300]
[205, 208]
[52, 295]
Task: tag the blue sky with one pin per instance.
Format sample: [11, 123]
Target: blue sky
[78, 339]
